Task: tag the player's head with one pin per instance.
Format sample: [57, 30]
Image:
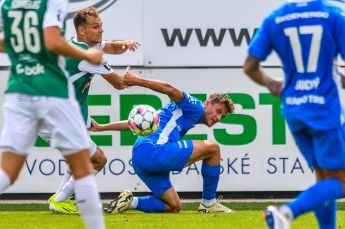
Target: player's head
[216, 107]
[88, 25]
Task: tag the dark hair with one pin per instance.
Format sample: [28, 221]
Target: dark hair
[224, 99]
[80, 17]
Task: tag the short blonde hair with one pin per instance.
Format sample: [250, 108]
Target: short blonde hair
[80, 17]
[222, 99]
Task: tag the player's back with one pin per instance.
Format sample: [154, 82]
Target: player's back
[307, 35]
[34, 69]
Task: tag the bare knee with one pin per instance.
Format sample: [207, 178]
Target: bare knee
[98, 160]
[213, 152]
[174, 207]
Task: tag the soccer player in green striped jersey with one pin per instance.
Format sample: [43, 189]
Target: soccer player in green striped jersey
[89, 31]
[39, 95]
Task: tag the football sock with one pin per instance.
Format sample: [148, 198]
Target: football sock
[316, 196]
[134, 203]
[326, 215]
[150, 204]
[89, 203]
[65, 178]
[210, 175]
[4, 181]
[66, 191]
[208, 203]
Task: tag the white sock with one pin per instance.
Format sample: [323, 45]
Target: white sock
[65, 178]
[5, 181]
[66, 188]
[89, 203]
[134, 203]
[285, 210]
[66, 191]
[208, 203]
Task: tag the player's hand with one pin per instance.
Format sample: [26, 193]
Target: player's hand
[131, 45]
[94, 56]
[95, 127]
[275, 86]
[130, 79]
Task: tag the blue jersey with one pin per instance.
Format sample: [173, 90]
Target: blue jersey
[175, 120]
[307, 37]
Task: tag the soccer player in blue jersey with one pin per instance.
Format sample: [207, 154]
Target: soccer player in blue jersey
[154, 156]
[307, 35]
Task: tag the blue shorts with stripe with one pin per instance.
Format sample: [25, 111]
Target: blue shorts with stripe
[153, 163]
[324, 149]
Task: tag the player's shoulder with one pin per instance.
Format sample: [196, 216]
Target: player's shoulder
[80, 44]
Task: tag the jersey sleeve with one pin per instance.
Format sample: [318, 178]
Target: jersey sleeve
[55, 13]
[191, 107]
[100, 45]
[102, 69]
[260, 47]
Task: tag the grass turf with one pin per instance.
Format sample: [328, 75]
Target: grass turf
[246, 215]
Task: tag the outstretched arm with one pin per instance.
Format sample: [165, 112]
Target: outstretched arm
[120, 46]
[253, 69]
[163, 87]
[118, 126]
[57, 44]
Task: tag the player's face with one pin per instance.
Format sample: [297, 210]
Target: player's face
[93, 30]
[213, 113]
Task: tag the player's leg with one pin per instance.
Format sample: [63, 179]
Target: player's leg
[69, 135]
[18, 135]
[324, 149]
[98, 160]
[209, 153]
[326, 214]
[11, 164]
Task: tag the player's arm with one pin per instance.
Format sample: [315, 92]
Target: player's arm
[105, 71]
[163, 87]
[115, 80]
[253, 69]
[120, 46]
[57, 44]
[118, 126]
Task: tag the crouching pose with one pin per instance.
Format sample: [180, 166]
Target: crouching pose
[156, 155]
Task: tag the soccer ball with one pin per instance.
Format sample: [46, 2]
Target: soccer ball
[143, 120]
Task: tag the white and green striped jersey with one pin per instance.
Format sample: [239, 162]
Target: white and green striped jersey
[34, 69]
[81, 73]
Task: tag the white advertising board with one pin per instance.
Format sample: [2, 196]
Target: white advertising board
[122, 20]
[258, 153]
[202, 33]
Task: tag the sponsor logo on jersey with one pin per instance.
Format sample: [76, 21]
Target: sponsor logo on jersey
[100, 5]
[30, 70]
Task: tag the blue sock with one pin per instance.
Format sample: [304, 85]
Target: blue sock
[150, 204]
[316, 196]
[326, 215]
[210, 175]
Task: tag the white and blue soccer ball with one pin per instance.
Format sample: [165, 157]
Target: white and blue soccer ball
[143, 120]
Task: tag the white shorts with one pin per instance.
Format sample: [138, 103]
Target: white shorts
[46, 134]
[24, 116]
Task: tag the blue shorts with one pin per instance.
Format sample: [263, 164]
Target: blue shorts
[153, 163]
[324, 149]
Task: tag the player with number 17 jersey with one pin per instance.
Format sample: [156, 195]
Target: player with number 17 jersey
[303, 37]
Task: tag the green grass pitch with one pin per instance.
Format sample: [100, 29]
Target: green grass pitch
[245, 215]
